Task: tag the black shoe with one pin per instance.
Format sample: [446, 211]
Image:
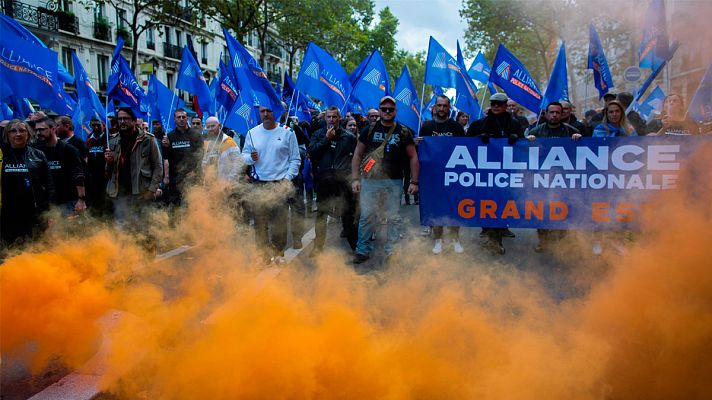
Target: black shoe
[360, 258]
[508, 233]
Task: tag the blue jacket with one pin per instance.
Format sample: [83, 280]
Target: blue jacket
[600, 131]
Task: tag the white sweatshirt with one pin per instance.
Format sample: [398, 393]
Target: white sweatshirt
[277, 150]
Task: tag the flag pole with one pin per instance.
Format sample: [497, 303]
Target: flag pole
[291, 100]
[482, 100]
[106, 119]
[420, 116]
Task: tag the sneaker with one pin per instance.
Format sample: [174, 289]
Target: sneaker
[457, 247]
[508, 233]
[438, 248]
[360, 258]
[597, 248]
[426, 231]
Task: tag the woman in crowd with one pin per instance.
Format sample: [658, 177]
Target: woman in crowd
[614, 122]
[27, 187]
[352, 126]
[463, 119]
[672, 120]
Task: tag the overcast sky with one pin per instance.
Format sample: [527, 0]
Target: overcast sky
[420, 19]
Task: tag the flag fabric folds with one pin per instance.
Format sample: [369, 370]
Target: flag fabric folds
[323, 78]
[372, 84]
[9, 26]
[654, 46]
[480, 71]
[656, 72]
[407, 101]
[163, 103]
[190, 79]
[511, 75]
[297, 103]
[226, 90]
[602, 78]
[466, 98]
[700, 108]
[652, 103]
[558, 87]
[122, 83]
[27, 70]
[88, 103]
[440, 67]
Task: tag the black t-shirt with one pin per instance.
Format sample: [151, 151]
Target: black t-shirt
[679, 128]
[17, 194]
[395, 156]
[66, 169]
[183, 154]
[445, 128]
[95, 161]
[80, 145]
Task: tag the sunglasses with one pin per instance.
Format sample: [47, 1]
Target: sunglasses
[498, 103]
[388, 109]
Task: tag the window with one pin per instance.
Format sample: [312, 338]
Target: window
[179, 38]
[168, 35]
[150, 39]
[65, 5]
[120, 19]
[169, 81]
[99, 11]
[204, 52]
[67, 59]
[102, 63]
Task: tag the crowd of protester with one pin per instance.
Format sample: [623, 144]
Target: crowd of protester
[358, 168]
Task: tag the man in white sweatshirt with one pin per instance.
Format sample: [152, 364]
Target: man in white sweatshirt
[273, 153]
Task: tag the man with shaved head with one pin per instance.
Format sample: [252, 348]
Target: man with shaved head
[223, 152]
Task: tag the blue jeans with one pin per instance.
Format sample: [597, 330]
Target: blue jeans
[375, 194]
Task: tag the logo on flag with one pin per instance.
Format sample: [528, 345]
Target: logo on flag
[373, 77]
[404, 96]
[440, 61]
[189, 71]
[504, 69]
[313, 70]
[243, 111]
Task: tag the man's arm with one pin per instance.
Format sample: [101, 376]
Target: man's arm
[156, 167]
[356, 165]
[414, 168]
[247, 150]
[294, 159]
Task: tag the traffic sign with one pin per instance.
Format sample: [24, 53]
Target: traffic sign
[632, 74]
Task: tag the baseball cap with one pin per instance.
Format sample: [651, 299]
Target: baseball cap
[387, 98]
[499, 97]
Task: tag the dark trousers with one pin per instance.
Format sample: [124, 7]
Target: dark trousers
[453, 232]
[271, 226]
[299, 210]
[336, 195]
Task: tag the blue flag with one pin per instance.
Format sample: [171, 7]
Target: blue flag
[226, 90]
[6, 112]
[9, 26]
[597, 62]
[251, 78]
[373, 82]
[27, 70]
[558, 87]
[323, 78]
[440, 67]
[190, 79]
[427, 111]
[21, 108]
[511, 75]
[242, 117]
[163, 103]
[407, 101]
[122, 83]
[655, 73]
[297, 102]
[700, 108]
[480, 71]
[652, 103]
[466, 98]
[654, 46]
[88, 104]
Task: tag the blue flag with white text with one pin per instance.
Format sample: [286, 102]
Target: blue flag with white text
[700, 108]
[321, 77]
[602, 78]
[226, 90]
[122, 83]
[654, 45]
[407, 101]
[191, 79]
[297, 102]
[558, 87]
[511, 75]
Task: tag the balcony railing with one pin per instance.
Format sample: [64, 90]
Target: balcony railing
[39, 17]
[171, 50]
[124, 33]
[102, 31]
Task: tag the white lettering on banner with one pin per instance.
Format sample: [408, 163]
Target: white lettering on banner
[489, 179]
[623, 158]
[607, 181]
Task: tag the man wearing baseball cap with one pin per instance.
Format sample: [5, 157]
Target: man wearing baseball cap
[498, 123]
[387, 147]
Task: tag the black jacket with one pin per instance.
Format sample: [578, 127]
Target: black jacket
[332, 158]
[496, 126]
[38, 173]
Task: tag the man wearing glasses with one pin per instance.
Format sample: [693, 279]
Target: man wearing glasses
[393, 147]
[498, 123]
